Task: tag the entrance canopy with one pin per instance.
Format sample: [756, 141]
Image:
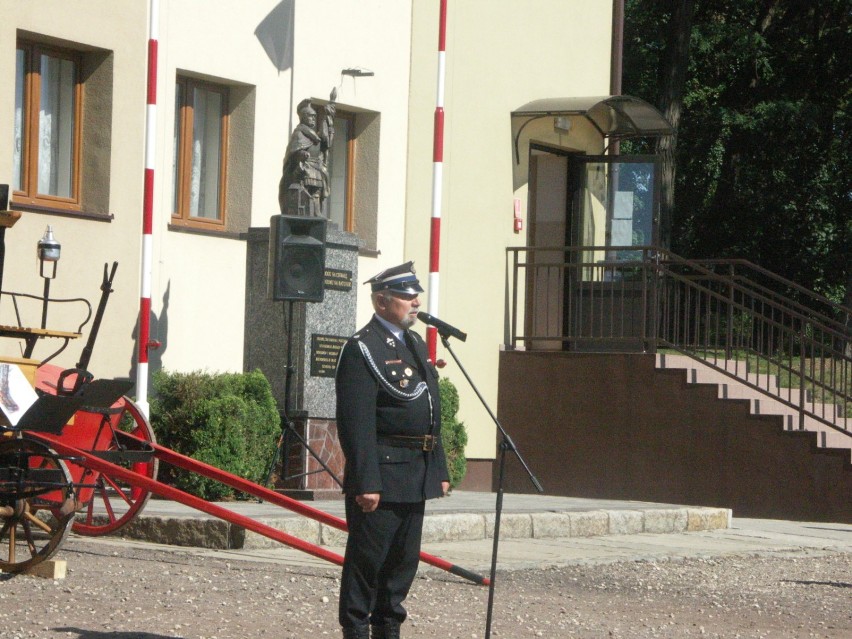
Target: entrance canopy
[551, 121]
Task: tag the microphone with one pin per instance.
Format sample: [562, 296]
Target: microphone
[443, 328]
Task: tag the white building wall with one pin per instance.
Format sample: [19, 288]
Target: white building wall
[86, 244]
[199, 280]
[225, 44]
[501, 54]
[198, 283]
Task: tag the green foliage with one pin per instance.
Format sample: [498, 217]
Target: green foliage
[453, 433]
[227, 420]
[741, 332]
[763, 146]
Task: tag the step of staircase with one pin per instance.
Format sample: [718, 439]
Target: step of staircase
[766, 401]
[734, 390]
[705, 374]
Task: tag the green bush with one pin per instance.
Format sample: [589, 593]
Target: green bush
[227, 420]
[453, 433]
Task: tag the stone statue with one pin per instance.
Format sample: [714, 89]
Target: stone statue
[304, 186]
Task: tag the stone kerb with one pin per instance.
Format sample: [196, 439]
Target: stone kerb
[699, 519]
[441, 527]
[626, 522]
[302, 528]
[666, 520]
[456, 527]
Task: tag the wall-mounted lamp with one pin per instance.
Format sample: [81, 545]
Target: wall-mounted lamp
[48, 250]
[562, 124]
[358, 72]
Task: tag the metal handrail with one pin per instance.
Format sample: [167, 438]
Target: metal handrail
[558, 298]
[817, 301]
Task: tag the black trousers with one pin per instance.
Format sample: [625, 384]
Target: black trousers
[382, 554]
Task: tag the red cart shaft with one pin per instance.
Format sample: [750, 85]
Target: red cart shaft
[158, 488]
[187, 463]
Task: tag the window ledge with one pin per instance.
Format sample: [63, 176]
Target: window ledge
[369, 252]
[193, 230]
[47, 210]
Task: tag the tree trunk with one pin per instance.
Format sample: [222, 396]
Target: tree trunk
[672, 82]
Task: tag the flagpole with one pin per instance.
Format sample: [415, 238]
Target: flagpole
[437, 185]
[144, 341]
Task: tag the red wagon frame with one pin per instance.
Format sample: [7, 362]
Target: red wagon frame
[110, 454]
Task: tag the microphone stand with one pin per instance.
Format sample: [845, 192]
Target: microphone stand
[505, 445]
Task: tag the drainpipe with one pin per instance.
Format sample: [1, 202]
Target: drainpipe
[616, 56]
[617, 47]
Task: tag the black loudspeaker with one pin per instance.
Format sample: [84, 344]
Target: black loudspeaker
[296, 258]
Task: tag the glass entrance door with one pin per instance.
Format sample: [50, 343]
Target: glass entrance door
[614, 209]
[614, 220]
[591, 221]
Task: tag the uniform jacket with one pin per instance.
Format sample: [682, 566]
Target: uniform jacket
[381, 391]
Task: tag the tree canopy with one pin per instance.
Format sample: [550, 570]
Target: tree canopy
[763, 146]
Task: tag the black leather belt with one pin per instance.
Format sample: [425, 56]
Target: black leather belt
[420, 442]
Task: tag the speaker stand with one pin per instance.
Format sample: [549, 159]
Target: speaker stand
[288, 429]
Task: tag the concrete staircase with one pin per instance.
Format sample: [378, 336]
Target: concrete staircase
[766, 401]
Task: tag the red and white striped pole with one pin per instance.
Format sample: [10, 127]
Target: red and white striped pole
[144, 342]
[437, 184]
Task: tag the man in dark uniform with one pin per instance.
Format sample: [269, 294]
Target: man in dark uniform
[389, 424]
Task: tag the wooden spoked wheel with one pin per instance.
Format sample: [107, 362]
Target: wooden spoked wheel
[115, 502]
[36, 503]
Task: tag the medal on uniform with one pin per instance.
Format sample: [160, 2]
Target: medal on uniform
[403, 383]
[408, 372]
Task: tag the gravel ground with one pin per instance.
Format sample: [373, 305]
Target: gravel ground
[120, 592]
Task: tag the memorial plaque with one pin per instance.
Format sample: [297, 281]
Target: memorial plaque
[338, 280]
[324, 352]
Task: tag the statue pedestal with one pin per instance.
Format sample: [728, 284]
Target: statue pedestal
[306, 336]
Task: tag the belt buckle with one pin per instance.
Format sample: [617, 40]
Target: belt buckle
[428, 443]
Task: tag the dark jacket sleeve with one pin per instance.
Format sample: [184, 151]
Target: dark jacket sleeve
[356, 421]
